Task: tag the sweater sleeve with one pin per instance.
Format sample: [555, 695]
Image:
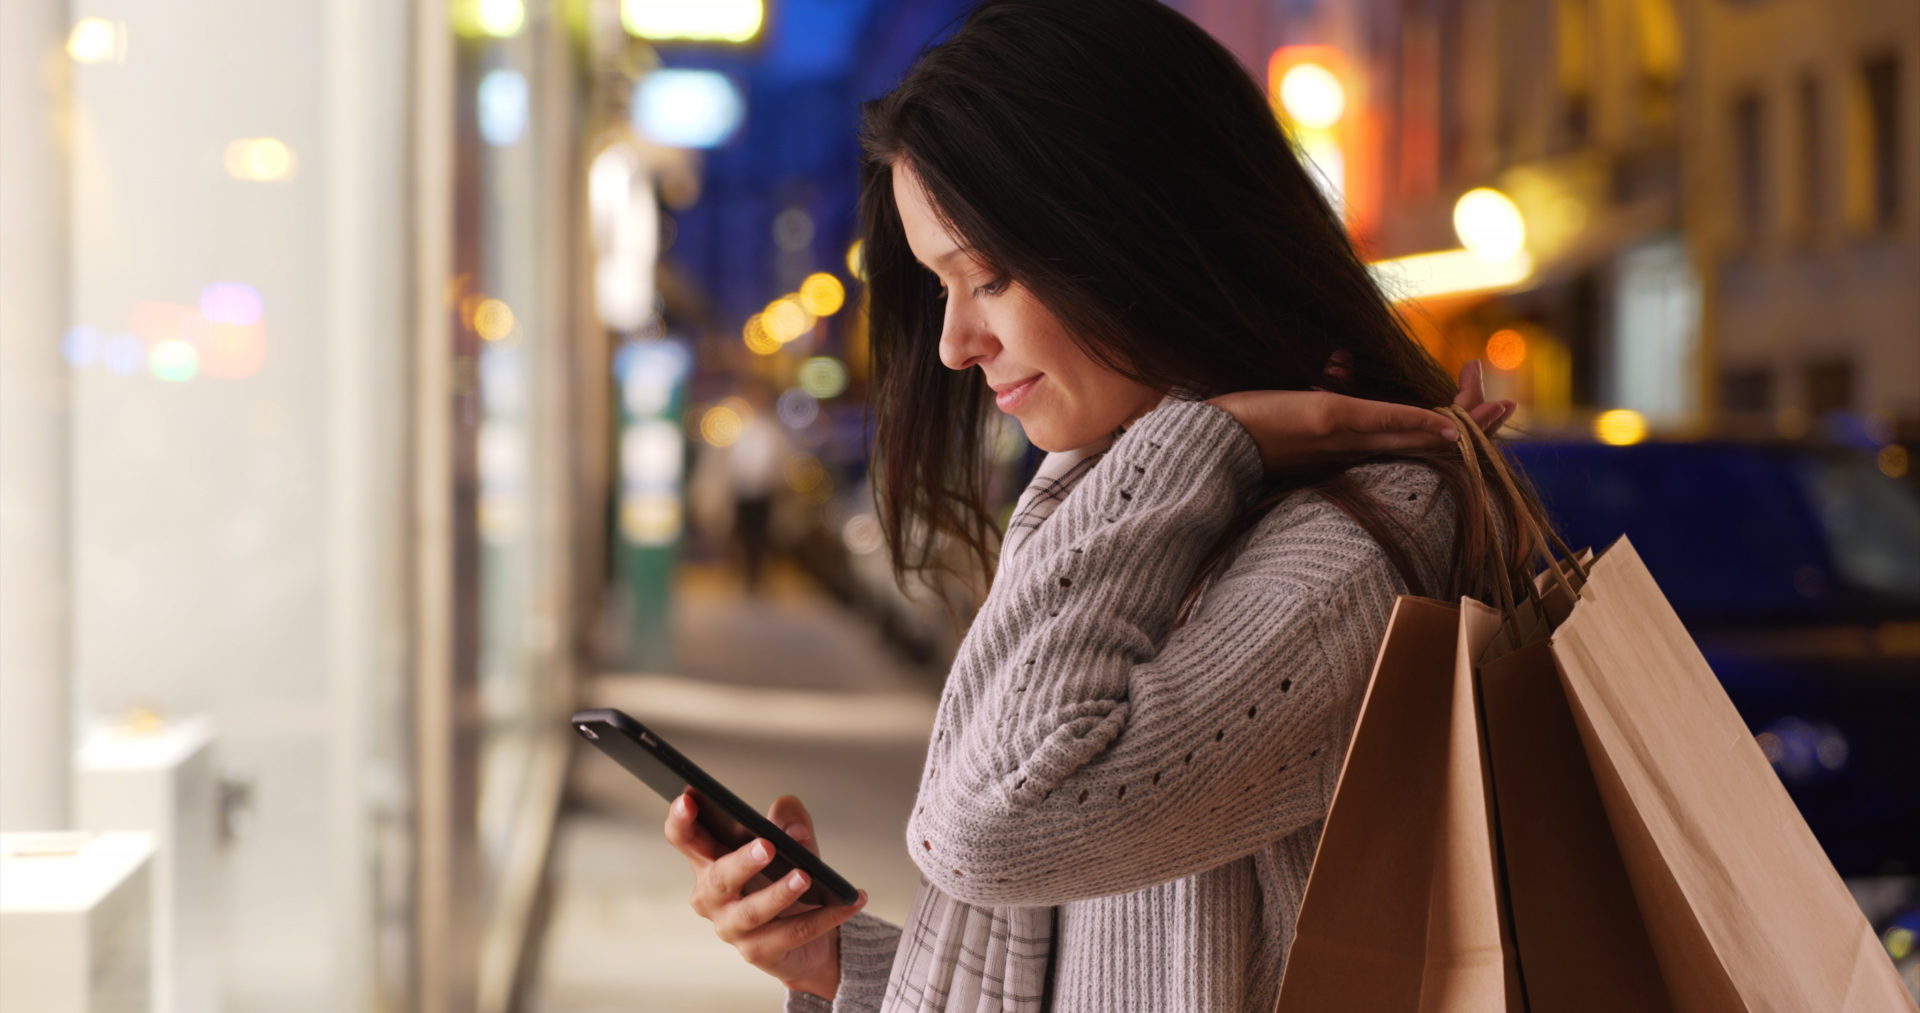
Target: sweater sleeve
[867, 945]
[1083, 747]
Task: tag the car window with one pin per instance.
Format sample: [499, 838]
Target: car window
[1872, 523]
[1725, 529]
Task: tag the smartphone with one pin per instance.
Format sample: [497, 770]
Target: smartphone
[732, 823]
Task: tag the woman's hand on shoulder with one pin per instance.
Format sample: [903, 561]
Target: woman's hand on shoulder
[797, 943]
[1296, 429]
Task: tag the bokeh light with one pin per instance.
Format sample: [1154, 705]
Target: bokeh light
[1506, 349]
[797, 409]
[234, 351]
[705, 20]
[804, 473]
[500, 19]
[227, 302]
[260, 160]
[1489, 224]
[823, 376]
[857, 259]
[760, 340]
[822, 294]
[493, 320]
[502, 107]
[174, 361]
[687, 108]
[97, 40]
[1620, 427]
[81, 347]
[1312, 96]
[721, 425]
[1893, 460]
[862, 534]
[786, 319]
[793, 229]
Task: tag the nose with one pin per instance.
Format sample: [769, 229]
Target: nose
[964, 339]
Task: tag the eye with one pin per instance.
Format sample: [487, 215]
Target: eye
[994, 287]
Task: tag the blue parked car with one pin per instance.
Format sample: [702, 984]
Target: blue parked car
[1797, 569]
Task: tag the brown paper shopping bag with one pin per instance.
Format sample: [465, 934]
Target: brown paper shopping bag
[1743, 910]
[1638, 852]
[1403, 909]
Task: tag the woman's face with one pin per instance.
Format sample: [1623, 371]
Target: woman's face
[1062, 397]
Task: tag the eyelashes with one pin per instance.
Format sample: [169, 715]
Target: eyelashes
[994, 287]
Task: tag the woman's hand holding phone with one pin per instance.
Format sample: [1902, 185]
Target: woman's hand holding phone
[797, 943]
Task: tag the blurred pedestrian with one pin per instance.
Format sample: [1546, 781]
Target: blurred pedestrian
[1084, 214]
[754, 466]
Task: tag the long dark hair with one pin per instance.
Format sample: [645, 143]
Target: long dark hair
[1119, 163]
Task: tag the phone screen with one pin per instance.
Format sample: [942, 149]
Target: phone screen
[731, 821]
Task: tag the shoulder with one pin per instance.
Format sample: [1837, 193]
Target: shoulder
[1310, 543]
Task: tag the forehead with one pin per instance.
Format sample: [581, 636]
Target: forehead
[927, 235]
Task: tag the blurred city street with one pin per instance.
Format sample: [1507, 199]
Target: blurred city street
[782, 693]
[384, 381]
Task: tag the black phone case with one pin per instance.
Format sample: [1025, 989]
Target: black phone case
[647, 756]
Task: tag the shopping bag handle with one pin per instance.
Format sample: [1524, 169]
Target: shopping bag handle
[1541, 538]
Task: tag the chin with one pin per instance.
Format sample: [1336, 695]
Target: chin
[1049, 435]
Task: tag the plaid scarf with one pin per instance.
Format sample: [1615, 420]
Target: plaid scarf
[955, 957]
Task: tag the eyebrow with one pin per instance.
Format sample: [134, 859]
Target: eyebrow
[949, 255]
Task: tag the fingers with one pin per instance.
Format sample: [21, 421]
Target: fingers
[1375, 418]
[738, 919]
[1473, 389]
[687, 836]
[768, 944]
[789, 815]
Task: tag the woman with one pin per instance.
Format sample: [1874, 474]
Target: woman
[1082, 213]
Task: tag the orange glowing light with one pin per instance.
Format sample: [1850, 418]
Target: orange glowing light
[1507, 349]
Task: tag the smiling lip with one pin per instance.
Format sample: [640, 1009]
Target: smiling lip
[1009, 398]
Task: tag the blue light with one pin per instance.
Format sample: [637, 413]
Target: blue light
[687, 108]
[503, 107]
[81, 347]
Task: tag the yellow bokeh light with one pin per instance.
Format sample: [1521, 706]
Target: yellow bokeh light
[760, 341]
[1899, 943]
[1893, 460]
[500, 19]
[492, 319]
[95, 40]
[857, 259]
[786, 319]
[822, 294]
[805, 473]
[1489, 224]
[721, 426]
[706, 20]
[1506, 349]
[1312, 96]
[1620, 427]
[260, 160]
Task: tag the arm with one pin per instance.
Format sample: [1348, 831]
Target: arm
[867, 946]
[1071, 758]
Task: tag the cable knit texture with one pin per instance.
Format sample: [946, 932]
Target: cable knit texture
[1162, 788]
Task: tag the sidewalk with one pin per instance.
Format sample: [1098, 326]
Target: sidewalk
[782, 694]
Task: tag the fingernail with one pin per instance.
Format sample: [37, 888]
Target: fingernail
[797, 881]
[1449, 433]
[762, 851]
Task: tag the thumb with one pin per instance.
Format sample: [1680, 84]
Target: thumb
[789, 815]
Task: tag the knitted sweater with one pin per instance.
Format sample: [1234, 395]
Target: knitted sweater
[1162, 788]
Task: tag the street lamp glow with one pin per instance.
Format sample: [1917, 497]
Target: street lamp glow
[1620, 427]
[822, 294]
[701, 20]
[96, 40]
[1489, 224]
[1312, 96]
